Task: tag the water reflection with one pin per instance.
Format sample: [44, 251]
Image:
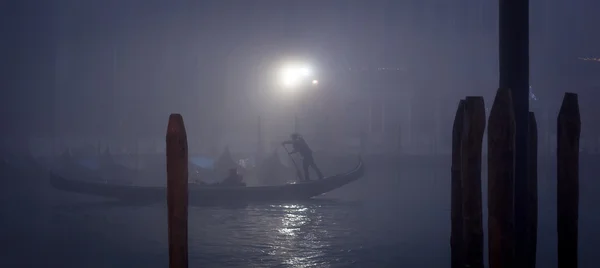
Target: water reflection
[300, 240]
[400, 216]
[294, 218]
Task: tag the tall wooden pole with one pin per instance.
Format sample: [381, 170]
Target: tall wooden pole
[177, 191]
[514, 74]
[62, 61]
[56, 87]
[114, 116]
[399, 139]
[137, 154]
[567, 162]
[501, 161]
[259, 143]
[370, 116]
[532, 219]
[471, 145]
[296, 127]
[383, 117]
[456, 213]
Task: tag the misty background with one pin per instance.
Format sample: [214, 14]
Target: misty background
[83, 76]
[112, 71]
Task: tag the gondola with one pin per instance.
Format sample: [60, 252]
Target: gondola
[212, 195]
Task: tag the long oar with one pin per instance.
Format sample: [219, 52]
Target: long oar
[293, 161]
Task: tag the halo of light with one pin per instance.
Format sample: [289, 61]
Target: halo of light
[293, 75]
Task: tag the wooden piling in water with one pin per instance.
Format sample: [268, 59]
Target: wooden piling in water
[260, 146]
[296, 123]
[399, 138]
[471, 146]
[568, 133]
[456, 214]
[501, 175]
[532, 188]
[513, 59]
[177, 191]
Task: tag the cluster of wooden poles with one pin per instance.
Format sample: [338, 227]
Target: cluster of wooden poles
[466, 206]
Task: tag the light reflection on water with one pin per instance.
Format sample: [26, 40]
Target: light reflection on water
[317, 233]
[288, 235]
[300, 227]
[400, 222]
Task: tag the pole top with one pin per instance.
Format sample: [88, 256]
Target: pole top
[175, 126]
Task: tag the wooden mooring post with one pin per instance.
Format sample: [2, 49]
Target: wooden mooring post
[513, 59]
[501, 175]
[466, 219]
[568, 131]
[471, 146]
[177, 191]
[456, 215]
[532, 188]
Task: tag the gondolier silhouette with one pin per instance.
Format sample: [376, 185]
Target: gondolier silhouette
[300, 146]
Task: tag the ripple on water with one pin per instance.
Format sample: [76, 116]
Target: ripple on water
[293, 235]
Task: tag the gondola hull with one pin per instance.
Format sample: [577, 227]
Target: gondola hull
[208, 195]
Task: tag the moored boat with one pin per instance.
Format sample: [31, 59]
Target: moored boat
[200, 195]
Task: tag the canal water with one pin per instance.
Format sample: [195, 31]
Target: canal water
[393, 217]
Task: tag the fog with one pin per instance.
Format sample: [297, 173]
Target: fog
[85, 83]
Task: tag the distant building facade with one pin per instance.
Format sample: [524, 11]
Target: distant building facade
[384, 108]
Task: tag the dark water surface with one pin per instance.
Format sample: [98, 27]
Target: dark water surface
[390, 218]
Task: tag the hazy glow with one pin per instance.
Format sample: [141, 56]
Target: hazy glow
[305, 71]
[315, 82]
[292, 76]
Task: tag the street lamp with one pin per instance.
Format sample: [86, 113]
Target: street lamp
[294, 77]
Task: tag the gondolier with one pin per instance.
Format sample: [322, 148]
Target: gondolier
[301, 147]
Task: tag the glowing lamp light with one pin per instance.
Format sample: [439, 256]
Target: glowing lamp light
[305, 71]
[292, 76]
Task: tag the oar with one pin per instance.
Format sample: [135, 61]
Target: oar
[293, 161]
